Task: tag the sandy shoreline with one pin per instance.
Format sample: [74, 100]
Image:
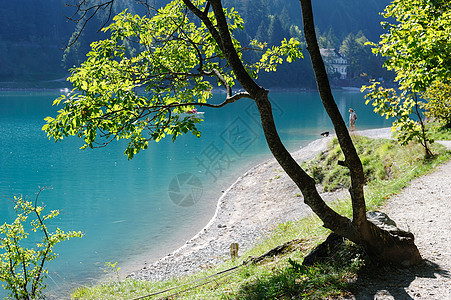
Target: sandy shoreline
[248, 209]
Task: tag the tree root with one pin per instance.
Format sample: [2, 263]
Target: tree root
[383, 242]
[287, 247]
[324, 250]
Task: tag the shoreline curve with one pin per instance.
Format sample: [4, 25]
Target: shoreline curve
[258, 200]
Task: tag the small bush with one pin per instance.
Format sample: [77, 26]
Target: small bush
[22, 269]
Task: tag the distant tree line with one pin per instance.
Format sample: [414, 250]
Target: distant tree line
[33, 35]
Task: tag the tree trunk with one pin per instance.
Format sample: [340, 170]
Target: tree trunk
[392, 246]
[306, 184]
[359, 230]
[352, 161]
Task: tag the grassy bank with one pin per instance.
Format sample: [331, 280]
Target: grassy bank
[279, 274]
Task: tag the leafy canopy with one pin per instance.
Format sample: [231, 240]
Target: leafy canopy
[417, 45]
[417, 48]
[138, 84]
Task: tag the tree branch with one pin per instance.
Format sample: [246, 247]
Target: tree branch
[87, 12]
[221, 79]
[35, 282]
[203, 16]
[84, 12]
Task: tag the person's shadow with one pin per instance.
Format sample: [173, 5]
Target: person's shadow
[381, 282]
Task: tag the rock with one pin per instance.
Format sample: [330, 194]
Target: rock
[381, 220]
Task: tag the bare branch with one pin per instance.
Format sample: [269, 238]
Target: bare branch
[85, 18]
[222, 80]
[85, 11]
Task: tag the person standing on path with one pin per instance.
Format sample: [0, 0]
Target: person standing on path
[352, 119]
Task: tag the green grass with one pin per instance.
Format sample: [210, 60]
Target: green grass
[388, 167]
[381, 159]
[438, 132]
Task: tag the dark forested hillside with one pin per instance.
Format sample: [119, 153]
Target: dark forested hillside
[336, 21]
[33, 34]
[342, 16]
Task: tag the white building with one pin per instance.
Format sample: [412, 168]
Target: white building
[335, 62]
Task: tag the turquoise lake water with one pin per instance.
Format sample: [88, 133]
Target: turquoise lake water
[151, 205]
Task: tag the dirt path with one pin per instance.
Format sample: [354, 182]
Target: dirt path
[424, 208]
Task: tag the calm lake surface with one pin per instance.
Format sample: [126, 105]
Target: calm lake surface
[151, 205]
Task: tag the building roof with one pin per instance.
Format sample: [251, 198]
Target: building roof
[329, 52]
